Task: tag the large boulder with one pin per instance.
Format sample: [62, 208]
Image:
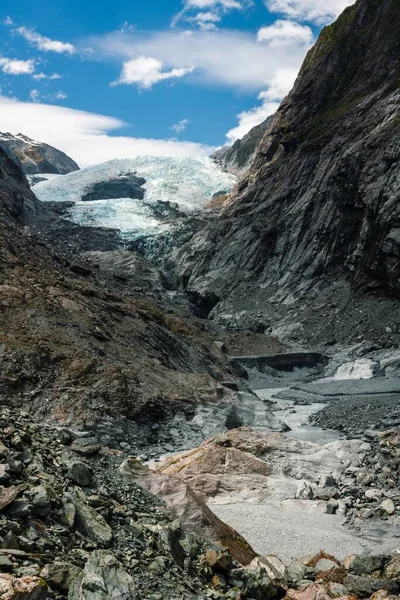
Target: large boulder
[103, 578]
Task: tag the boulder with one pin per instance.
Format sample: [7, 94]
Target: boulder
[392, 570]
[253, 583]
[388, 506]
[60, 575]
[23, 588]
[365, 565]
[103, 578]
[366, 586]
[89, 522]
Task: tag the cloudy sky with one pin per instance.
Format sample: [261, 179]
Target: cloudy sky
[102, 80]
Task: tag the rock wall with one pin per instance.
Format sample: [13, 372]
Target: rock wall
[320, 203]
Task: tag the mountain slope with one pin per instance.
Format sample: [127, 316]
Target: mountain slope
[36, 157]
[237, 158]
[320, 203]
[78, 346]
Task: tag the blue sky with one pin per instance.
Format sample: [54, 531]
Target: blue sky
[155, 77]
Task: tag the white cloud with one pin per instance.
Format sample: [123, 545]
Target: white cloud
[279, 87]
[44, 43]
[180, 127]
[41, 76]
[84, 136]
[221, 58]
[205, 20]
[146, 71]
[34, 95]
[206, 13]
[284, 33]
[317, 11]
[8, 21]
[13, 66]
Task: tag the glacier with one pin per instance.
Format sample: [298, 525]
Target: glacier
[188, 182]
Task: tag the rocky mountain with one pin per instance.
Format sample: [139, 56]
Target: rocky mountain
[237, 158]
[316, 217]
[36, 157]
[83, 339]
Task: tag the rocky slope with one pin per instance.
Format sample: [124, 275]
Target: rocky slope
[237, 158]
[36, 157]
[85, 342]
[74, 523]
[317, 215]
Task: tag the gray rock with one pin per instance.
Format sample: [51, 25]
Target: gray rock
[60, 575]
[103, 577]
[326, 493]
[388, 506]
[79, 473]
[90, 523]
[365, 586]
[253, 583]
[41, 505]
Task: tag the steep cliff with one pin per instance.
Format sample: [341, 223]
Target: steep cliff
[320, 203]
[237, 159]
[36, 157]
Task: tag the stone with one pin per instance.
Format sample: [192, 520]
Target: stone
[79, 473]
[60, 575]
[91, 523]
[305, 490]
[9, 494]
[219, 560]
[103, 577]
[373, 494]
[23, 588]
[364, 586]
[392, 569]
[86, 446]
[325, 564]
[41, 505]
[326, 493]
[327, 481]
[332, 506]
[253, 583]
[388, 506]
[365, 564]
[274, 567]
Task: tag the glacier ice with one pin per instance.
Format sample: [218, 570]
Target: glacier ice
[188, 182]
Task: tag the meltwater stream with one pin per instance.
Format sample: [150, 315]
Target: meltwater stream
[290, 526]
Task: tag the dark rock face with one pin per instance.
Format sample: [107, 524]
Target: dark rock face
[320, 203]
[125, 186]
[237, 159]
[36, 157]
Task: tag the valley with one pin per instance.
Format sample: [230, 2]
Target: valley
[199, 357]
